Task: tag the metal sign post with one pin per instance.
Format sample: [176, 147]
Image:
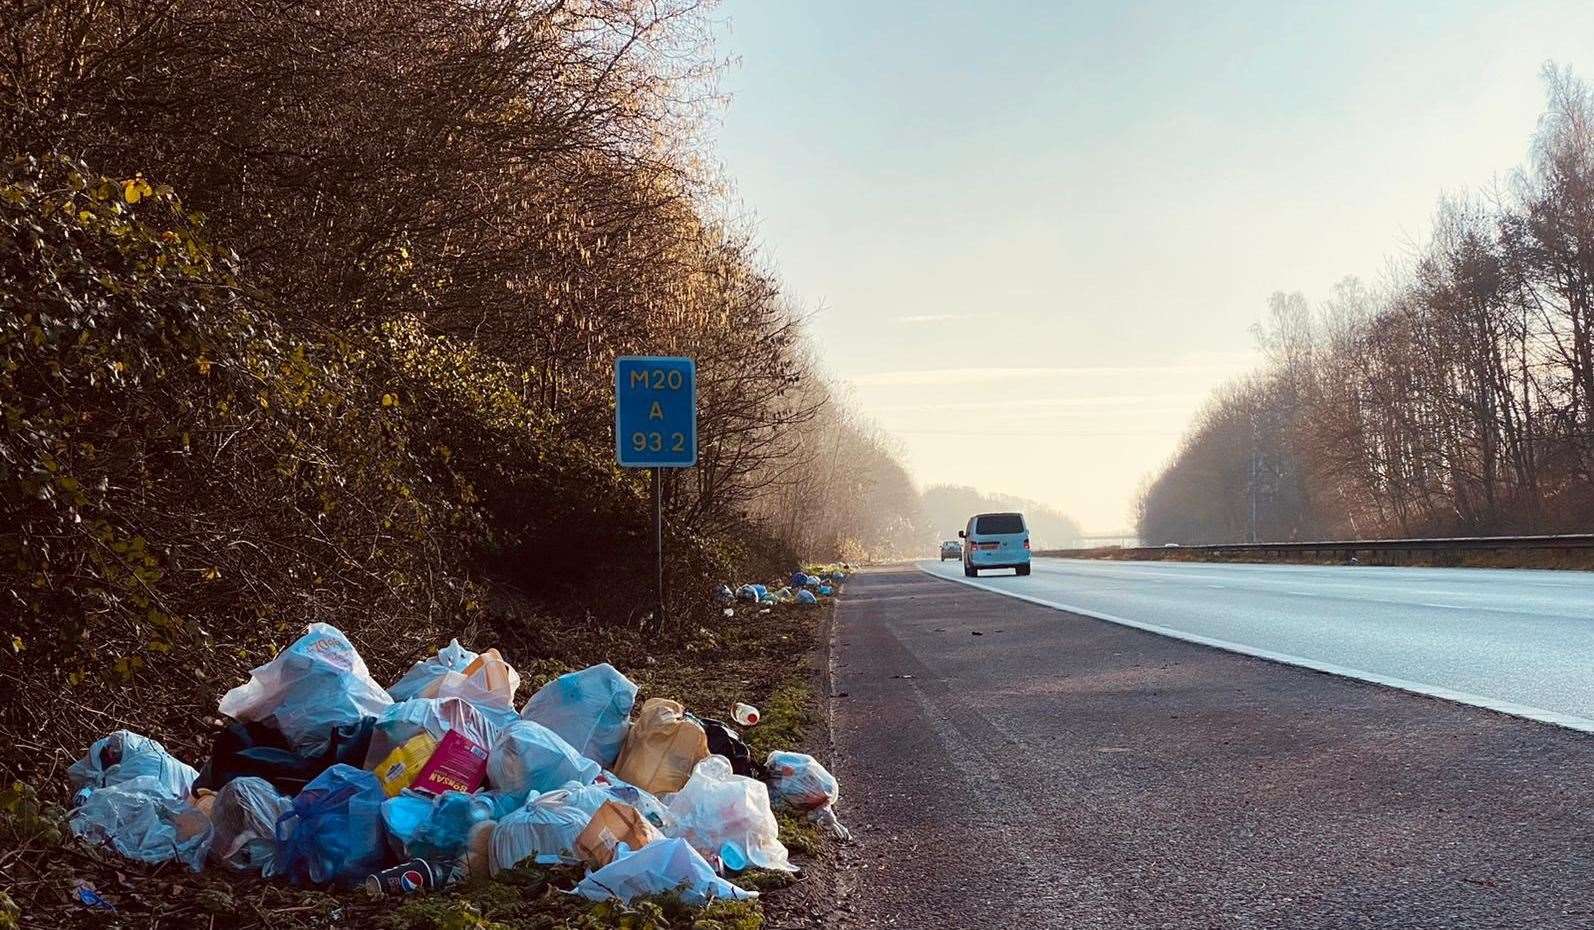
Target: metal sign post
[655, 427]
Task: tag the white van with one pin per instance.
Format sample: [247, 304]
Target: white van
[995, 540]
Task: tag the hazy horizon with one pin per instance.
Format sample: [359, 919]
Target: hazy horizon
[1033, 241]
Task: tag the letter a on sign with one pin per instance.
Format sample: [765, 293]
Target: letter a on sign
[656, 412]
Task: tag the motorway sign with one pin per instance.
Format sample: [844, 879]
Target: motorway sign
[655, 412]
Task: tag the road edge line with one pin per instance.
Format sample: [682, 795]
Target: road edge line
[1509, 708]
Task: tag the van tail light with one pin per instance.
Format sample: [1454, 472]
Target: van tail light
[1026, 542]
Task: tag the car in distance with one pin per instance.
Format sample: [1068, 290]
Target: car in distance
[951, 549]
[995, 540]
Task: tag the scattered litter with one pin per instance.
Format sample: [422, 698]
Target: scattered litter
[451, 658]
[141, 819]
[318, 683]
[728, 612]
[902, 676]
[806, 596]
[544, 831]
[798, 781]
[976, 633]
[411, 739]
[659, 867]
[488, 682]
[325, 778]
[89, 898]
[260, 749]
[717, 807]
[333, 832]
[723, 595]
[243, 825]
[661, 748]
[589, 709]
[435, 828]
[614, 824]
[724, 741]
[124, 756]
[408, 878]
[529, 759]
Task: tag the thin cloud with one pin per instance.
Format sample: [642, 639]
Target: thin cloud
[933, 318]
[945, 376]
[1139, 402]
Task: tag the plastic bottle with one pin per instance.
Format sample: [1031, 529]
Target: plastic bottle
[745, 714]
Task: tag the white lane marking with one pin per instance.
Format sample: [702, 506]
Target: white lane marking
[1554, 717]
[1343, 592]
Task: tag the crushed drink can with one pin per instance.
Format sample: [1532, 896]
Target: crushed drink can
[414, 875]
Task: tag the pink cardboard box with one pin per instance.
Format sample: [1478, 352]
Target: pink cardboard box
[457, 765]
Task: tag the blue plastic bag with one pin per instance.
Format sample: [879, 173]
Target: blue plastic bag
[660, 867]
[334, 831]
[806, 596]
[434, 829]
[589, 709]
[125, 755]
[529, 758]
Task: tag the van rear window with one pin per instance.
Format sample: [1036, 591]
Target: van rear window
[999, 523]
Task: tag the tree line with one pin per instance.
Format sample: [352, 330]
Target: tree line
[309, 311]
[1454, 398]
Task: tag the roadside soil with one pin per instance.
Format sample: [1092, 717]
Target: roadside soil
[1009, 765]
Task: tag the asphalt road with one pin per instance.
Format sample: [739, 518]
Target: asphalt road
[1005, 764]
[1517, 641]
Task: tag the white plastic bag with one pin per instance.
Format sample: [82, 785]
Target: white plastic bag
[125, 755]
[528, 757]
[659, 867]
[244, 825]
[318, 683]
[589, 708]
[718, 808]
[544, 831]
[139, 819]
[591, 797]
[451, 658]
[488, 681]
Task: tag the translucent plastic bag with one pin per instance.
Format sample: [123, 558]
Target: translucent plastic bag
[591, 797]
[657, 868]
[244, 825]
[589, 708]
[719, 809]
[662, 747]
[544, 831]
[333, 832]
[451, 658]
[528, 757]
[488, 681]
[798, 781]
[125, 755]
[316, 684]
[435, 829]
[140, 819]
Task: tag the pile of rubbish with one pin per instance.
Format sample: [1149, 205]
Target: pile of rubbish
[326, 778]
[802, 588]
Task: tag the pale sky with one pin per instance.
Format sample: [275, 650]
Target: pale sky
[1032, 236]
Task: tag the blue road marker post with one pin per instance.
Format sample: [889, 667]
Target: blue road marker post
[655, 427]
